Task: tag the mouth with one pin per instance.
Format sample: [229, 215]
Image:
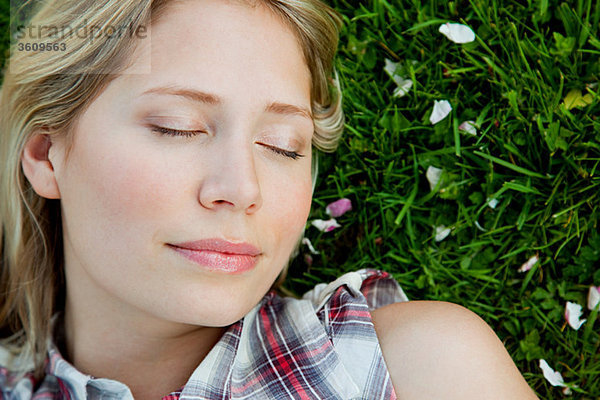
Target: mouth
[219, 255]
[221, 246]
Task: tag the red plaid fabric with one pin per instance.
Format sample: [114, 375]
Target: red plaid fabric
[322, 346]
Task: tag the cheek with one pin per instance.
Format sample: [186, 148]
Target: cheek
[291, 207]
[136, 189]
[109, 187]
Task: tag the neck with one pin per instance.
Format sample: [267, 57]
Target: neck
[152, 357]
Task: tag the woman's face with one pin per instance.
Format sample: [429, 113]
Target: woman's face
[234, 77]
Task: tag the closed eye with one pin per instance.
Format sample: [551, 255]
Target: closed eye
[175, 132]
[291, 154]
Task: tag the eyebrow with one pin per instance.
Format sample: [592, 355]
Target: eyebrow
[208, 98]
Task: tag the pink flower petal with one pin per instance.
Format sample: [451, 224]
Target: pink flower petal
[469, 127]
[308, 259]
[593, 297]
[339, 207]
[325, 226]
[573, 315]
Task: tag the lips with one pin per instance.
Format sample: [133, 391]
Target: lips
[219, 255]
[221, 246]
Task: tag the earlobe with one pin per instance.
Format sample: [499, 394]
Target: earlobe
[38, 168]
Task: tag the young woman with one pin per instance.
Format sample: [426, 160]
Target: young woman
[157, 175]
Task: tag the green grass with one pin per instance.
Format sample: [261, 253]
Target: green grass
[539, 159]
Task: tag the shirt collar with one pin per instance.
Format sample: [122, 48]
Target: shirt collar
[280, 344]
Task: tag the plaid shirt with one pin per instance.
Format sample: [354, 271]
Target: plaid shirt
[322, 346]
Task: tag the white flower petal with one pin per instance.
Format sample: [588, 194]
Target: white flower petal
[529, 264]
[441, 232]
[573, 315]
[554, 377]
[441, 109]
[325, 226]
[593, 297]
[433, 176]
[403, 88]
[469, 127]
[480, 227]
[390, 67]
[307, 242]
[338, 207]
[404, 84]
[458, 33]
[492, 203]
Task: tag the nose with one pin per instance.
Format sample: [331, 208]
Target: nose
[231, 181]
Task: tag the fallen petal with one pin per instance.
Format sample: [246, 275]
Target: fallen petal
[433, 176]
[441, 232]
[553, 377]
[403, 88]
[404, 84]
[458, 33]
[339, 207]
[391, 67]
[529, 264]
[492, 203]
[441, 109]
[573, 315]
[307, 242]
[480, 227]
[308, 259]
[593, 297]
[325, 226]
[469, 127]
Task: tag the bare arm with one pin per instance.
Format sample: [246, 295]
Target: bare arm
[444, 351]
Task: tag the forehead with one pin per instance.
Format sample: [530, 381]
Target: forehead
[227, 43]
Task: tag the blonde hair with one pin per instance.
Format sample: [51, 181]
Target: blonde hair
[46, 91]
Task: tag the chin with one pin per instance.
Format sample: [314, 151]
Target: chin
[223, 312]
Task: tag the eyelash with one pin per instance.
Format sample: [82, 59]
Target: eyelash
[174, 132]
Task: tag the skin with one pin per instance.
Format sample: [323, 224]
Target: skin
[440, 350]
[139, 312]
[136, 310]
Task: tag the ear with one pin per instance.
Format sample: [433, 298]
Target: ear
[37, 167]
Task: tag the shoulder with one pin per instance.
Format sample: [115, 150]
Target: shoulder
[442, 350]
